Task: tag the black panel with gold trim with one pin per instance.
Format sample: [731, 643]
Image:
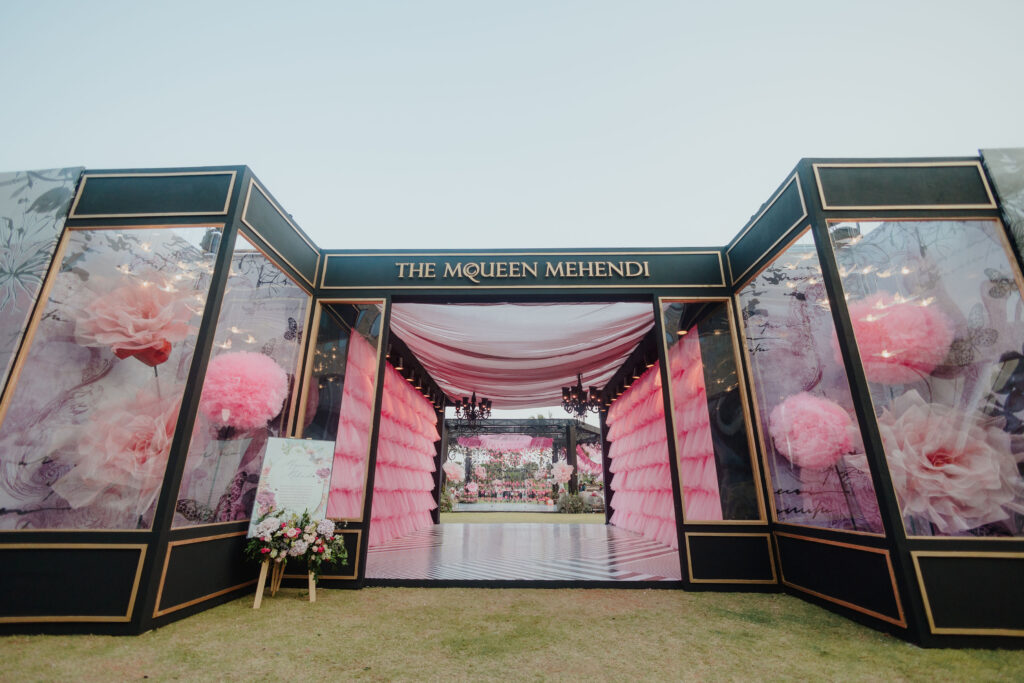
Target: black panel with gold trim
[729, 558]
[525, 270]
[199, 569]
[143, 194]
[67, 582]
[903, 185]
[780, 215]
[856, 577]
[972, 593]
[268, 221]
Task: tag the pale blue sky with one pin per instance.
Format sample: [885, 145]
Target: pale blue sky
[514, 124]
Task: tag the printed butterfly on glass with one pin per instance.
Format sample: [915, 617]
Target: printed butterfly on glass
[1001, 285]
[1010, 383]
[964, 349]
[292, 331]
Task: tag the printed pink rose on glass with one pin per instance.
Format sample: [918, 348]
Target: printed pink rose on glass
[121, 458]
[951, 469]
[140, 320]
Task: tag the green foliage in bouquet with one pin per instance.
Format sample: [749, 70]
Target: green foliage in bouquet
[281, 537]
[571, 503]
[447, 503]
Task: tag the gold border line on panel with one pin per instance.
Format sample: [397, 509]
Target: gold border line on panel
[298, 363]
[905, 207]
[757, 412]
[351, 558]
[85, 178]
[901, 622]
[307, 378]
[942, 630]
[1011, 260]
[141, 547]
[771, 559]
[786, 232]
[762, 519]
[329, 256]
[30, 332]
[157, 612]
[280, 211]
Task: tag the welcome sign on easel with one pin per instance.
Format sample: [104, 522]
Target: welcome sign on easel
[295, 478]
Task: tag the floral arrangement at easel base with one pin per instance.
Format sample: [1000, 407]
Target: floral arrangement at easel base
[280, 538]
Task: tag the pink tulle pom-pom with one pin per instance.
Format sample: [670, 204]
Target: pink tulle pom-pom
[243, 389]
[809, 431]
[899, 342]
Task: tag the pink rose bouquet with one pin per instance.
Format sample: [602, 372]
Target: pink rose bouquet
[276, 538]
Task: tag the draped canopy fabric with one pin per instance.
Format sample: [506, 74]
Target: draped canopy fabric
[521, 355]
[506, 442]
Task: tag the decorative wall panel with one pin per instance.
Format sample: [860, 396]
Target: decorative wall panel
[33, 207]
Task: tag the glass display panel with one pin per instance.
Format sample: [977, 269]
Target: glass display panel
[33, 206]
[248, 389]
[937, 314]
[813, 448]
[712, 435]
[86, 436]
[340, 401]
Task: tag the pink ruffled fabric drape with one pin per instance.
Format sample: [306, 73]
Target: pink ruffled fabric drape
[642, 482]
[697, 469]
[352, 446]
[403, 480]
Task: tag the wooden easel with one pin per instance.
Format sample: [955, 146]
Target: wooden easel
[276, 574]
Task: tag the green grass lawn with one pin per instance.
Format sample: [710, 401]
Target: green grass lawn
[467, 633]
[520, 518]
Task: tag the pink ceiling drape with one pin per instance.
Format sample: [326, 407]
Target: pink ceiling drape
[521, 355]
[506, 442]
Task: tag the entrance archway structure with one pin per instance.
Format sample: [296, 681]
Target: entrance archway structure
[783, 315]
[727, 552]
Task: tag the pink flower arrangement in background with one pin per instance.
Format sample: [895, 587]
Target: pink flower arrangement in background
[121, 458]
[243, 389]
[480, 472]
[899, 341]
[954, 470]
[472, 488]
[562, 471]
[140, 320]
[453, 472]
[810, 431]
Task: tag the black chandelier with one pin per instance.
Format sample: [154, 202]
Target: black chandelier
[577, 401]
[471, 411]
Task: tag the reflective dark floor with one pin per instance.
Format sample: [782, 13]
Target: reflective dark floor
[523, 552]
